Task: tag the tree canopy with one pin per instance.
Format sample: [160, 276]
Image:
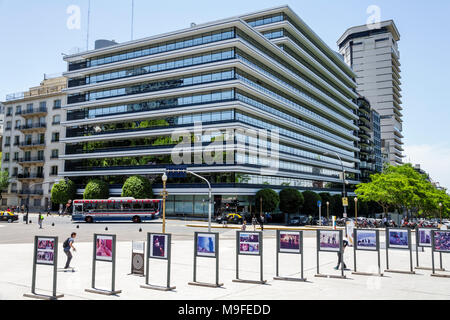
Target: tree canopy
[96, 189]
[270, 200]
[4, 181]
[291, 200]
[63, 191]
[137, 187]
[310, 205]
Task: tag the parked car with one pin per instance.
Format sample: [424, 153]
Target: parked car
[231, 218]
[8, 216]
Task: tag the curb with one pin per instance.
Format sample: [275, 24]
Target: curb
[265, 228]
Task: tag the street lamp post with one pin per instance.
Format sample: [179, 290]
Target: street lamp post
[440, 213]
[164, 194]
[356, 212]
[328, 212]
[343, 179]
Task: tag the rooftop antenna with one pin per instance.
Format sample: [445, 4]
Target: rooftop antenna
[88, 24]
[132, 19]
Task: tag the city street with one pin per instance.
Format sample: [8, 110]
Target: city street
[16, 254]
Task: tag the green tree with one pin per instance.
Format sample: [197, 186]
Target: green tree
[5, 180]
[270, 200]
[137, 187]
[310, 205]
[96, 189]
[291, 200]
[63, 191]
[337, 208]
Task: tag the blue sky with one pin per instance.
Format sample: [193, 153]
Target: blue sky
[33, 34]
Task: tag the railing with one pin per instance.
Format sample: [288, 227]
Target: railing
[36, 110]
[33, 126]
[32, 159]
[31, 176]
[32, 192]
[32, 144]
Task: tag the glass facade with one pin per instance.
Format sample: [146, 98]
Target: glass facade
[268, 92]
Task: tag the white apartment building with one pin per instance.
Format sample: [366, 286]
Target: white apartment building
[373, 55]
[31, 146]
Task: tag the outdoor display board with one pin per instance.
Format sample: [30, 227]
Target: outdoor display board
[159, 247]
[104, 250]
[249, 244]
[398, 239]
[440, 242]
[329, 241]
[45, 253]
[206, 245]
[289, 242]
[424, 240]
[138, 258]
[366, 240]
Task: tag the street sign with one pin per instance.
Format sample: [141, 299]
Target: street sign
[176, 171]
[345, 202]
[319, 203]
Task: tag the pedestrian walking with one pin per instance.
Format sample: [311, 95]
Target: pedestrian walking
[67, 245]
[60, 209]
[49, 208]
[341, 255]
[40, 220]
[244, 225]
[254, 222]
[262, 222]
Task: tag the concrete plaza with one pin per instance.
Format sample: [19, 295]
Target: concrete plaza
[16, 265]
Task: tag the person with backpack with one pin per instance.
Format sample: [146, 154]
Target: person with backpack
[341, 255]
[67, 245]
[40, 220]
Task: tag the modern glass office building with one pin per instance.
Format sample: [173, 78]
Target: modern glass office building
[277, 108]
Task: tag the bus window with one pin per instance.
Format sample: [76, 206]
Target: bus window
[101, 206]
[149, 206]
[126, 206]
[137, 206]
[78, 208]
[88, 207]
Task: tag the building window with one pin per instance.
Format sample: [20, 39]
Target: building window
[54, 171]
[57, 104]
[30, 108]
[4, 202]
[7, 155]
[43, 105]
[19, 110]
[10, 112]
[7, 141]
[55, 137]
[56, 119]
[8, 125]
[16, 156]
[16, 140]
[55, 154]
[18, 124]
[37, 202]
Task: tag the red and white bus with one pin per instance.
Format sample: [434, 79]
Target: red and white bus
[116, 209]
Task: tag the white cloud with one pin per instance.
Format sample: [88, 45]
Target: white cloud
[434, 159]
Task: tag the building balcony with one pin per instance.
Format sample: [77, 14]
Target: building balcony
[34, 127]
[31, 160]
[31, 192]
[32, 145]
[31, 177]
[34, 112]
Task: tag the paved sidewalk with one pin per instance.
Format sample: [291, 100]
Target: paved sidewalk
[16, 266]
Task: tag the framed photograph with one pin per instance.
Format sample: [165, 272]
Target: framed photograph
[366, 240]
[441, 241]
[249, 243]
[158, 246]
[104, 248]
[289, 241]
[206, 245]
[398, 238]
[45, 251]
[329, 240]
[424, 237]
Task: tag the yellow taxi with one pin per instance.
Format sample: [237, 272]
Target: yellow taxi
[8, 216]
[231, 218]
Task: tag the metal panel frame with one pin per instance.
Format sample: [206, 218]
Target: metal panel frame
[377, 250]
[392, 248]
[300, 233]
[341, 252]
[54, 295]
[433, 250]
[260, 254]
[216, 257]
